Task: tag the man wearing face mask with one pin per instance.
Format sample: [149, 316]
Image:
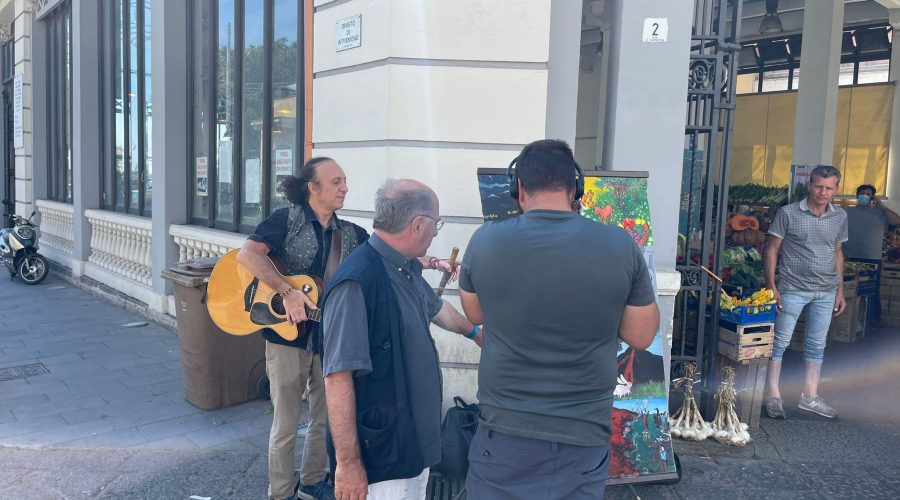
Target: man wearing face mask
[867, 222]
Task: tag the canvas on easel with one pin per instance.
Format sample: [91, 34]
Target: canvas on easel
[641, 445]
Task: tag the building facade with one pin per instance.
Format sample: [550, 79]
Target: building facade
[154, 131]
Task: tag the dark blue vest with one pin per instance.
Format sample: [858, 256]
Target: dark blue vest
[388, 443]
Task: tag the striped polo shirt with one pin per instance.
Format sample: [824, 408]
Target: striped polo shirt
[807, 261]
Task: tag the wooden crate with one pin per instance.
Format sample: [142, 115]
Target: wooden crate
[744, 342]
[890, 275]
[850, 287]
[750, 382]
[843, 328]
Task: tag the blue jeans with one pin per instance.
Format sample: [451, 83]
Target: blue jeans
[818, 319]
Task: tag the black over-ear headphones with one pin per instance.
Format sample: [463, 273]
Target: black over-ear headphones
[513, 180]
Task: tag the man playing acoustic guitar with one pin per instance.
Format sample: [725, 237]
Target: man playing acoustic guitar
[307, 238]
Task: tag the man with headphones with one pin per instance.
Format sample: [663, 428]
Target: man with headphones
[556, 293]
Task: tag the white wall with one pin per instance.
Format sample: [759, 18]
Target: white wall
[436, 90]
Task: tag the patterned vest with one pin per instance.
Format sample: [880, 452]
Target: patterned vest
[301, 245]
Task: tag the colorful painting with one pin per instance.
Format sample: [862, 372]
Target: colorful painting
[641, 445]
[621, 201]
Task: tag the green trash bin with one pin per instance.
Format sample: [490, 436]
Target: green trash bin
[217, 369]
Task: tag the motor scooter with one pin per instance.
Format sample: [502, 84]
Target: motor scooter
[19, 249]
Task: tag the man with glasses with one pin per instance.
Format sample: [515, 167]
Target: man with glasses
[307, 238]
[382, 378]
[805, 247]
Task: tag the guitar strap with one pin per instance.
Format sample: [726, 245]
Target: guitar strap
[334, 256]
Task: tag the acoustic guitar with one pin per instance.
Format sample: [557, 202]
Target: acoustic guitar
[240, 303]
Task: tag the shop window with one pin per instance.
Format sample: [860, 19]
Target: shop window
[59, 103]
[247, 123]
[846, 74]
[775, 80]
[127, 107]
[763, 139]
[747, 83]
[873, 71]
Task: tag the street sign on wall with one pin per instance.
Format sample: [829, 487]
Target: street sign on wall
[349, 33]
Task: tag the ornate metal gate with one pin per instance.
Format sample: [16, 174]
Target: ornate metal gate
[714, 51]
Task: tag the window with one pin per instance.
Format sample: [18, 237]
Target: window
[775, 62]
[126, 107]
[775, 80]
[846, 74]
[59, 104]
[873, 71]
[247, 125]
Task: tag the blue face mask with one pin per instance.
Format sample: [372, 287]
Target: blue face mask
[863, 200]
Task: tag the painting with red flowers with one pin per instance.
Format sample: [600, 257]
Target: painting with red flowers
[621, 201]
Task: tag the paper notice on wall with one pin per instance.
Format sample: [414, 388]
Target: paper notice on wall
[252, 186]
[202, 169]
[18, 112]
[284, 162]
[225, 164]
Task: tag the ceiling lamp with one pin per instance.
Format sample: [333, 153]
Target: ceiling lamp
[770, 23]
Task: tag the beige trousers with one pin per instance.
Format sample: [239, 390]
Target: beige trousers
[289, 369]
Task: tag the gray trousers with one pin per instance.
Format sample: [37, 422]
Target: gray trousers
[502, 466]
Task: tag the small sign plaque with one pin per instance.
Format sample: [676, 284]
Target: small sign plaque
[656, 29]
[349, 33]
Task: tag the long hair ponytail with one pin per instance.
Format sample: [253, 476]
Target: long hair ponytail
[295, 187]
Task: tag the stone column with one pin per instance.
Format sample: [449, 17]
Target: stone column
[86, 109]
[823, 22]
[22, 56]
[645, 108]
[169, 66]
[646, 98]
[562, 71]
[893, 171]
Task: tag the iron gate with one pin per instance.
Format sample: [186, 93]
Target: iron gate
[710, 106]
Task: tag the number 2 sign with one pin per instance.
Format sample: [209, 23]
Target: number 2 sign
[656, 29]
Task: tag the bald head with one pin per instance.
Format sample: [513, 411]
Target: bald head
[399, 201]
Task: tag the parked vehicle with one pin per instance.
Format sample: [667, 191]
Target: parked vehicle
[19, 250]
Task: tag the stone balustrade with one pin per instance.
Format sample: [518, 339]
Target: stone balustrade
[57, 227]
[195, 241]
[120, 244]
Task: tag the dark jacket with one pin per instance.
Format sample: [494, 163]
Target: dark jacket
[384, 424]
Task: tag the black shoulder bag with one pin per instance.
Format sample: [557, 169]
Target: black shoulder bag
[457, 432]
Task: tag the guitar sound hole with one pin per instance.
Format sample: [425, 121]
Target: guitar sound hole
[277, 305]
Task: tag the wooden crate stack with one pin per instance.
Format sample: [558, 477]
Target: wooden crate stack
[890, 295]
[750, 381]
[745, 342]
[747, 349]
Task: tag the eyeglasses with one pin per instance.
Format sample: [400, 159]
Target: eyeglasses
[438, 223]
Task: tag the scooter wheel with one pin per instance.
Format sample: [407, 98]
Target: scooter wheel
[33, 269]
[262, 388]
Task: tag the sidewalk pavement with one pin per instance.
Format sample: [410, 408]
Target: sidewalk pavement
[99, 413]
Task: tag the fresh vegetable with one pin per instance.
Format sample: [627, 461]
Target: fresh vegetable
[728, 428]
[757, 194]
[687, 422]
[740, 222]
[758, 298]
[748, 237]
